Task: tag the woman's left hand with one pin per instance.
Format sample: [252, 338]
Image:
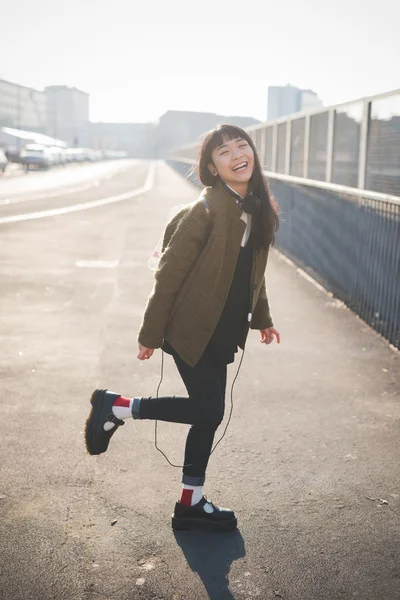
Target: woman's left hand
[267, 335]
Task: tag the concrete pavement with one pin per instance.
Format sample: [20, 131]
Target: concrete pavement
[309, 462]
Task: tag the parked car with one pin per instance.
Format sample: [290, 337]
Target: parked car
[35, 156]
[12, 153]
[58, 156]
[3, 161]
[81, 155]
[76, 155]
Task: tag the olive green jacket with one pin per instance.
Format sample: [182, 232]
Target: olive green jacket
[200, 250]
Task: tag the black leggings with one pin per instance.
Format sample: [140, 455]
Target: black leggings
[203, 410]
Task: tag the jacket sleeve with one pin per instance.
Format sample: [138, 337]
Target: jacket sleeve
[184, 240]
[261, 316]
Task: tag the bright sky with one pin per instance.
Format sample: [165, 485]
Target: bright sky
[140, 59]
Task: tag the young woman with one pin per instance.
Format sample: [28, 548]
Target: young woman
[209, 289]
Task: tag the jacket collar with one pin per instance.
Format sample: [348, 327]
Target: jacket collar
[222, 200]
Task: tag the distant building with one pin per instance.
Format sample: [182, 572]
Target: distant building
[309, 100]
[62, 112]
[177, 127]
[68, 115]
[286, 100]
[22, 107]
[137, 139]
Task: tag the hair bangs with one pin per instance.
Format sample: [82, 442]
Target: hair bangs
[224, 133]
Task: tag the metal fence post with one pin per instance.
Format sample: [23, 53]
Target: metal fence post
[306, 150]
[362, 154]
[288, 146]
[274, 147]
[329, 145]
[263, 145]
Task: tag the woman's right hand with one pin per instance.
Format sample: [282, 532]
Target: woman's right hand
[144, 352]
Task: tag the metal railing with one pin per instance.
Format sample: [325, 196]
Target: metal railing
[356, 144]
[347, 237]
[348, 241]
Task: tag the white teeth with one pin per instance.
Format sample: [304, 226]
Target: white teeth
[241, 166]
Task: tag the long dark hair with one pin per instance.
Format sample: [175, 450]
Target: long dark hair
[267, 223]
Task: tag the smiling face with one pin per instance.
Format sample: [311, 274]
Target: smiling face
[233, 162]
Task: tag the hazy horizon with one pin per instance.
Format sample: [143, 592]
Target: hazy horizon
[137, 63]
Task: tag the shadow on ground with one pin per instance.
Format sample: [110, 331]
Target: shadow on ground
[211, 555]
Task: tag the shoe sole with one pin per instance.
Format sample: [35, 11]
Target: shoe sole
[182, 524]
[96, 401]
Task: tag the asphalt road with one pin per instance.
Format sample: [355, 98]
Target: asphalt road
[310, 462]
[24, 185]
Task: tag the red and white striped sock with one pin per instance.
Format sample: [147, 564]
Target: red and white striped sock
[122, 409]
[191, 494]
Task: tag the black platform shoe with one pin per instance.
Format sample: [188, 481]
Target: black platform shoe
[195, 517]
[96, 438]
